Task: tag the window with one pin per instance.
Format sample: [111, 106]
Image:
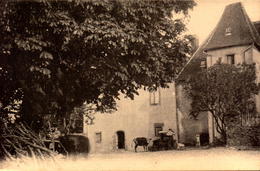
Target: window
[231, 59]
[157, 128]
[228, 31]
[209, 61]
[248, 56]
[203, 64]
[98, 137]
[155, 97]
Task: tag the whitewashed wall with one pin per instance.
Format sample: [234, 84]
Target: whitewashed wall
[135, 117]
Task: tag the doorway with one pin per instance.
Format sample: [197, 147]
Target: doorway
[120, 139]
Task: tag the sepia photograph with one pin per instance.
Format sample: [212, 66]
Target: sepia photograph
[129, 85]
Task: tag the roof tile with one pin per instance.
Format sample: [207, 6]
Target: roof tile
[236, 21]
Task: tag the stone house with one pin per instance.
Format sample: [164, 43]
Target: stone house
[145, 116]
[235, 40]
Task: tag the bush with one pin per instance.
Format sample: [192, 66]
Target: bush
[218, 142]
[75, 144]
[244, 136]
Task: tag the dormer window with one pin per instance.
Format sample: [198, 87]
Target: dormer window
[228, 31]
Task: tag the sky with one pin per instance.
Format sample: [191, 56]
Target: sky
[205, 16]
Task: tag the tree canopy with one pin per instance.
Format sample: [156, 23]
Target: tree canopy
[226, 91]
[56, 55]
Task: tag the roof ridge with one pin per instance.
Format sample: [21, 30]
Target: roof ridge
[235, 3]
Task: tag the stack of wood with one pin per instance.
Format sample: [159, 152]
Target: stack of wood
[18, 140]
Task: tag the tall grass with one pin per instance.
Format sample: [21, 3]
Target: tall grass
[32, 164]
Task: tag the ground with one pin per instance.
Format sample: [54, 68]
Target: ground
[191, 159]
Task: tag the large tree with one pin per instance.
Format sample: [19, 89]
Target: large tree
[55, 55]
[226, 91]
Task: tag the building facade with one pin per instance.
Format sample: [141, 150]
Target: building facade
[235, 40]
[145, 116]
[188, 126]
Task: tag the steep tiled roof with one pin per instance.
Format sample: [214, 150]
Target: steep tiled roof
[238, 23]
[193, 65]
[243, 31]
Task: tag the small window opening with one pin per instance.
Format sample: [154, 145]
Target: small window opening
[155, 97]
[231, 59]
[228, 31]
[98, 137]
[157, 128]
[203, 64]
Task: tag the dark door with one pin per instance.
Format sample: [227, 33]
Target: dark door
[121, 139]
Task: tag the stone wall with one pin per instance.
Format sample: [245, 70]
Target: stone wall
[136, 118]
[189, 127]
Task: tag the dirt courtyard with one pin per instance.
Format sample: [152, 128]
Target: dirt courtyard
[190, 159]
